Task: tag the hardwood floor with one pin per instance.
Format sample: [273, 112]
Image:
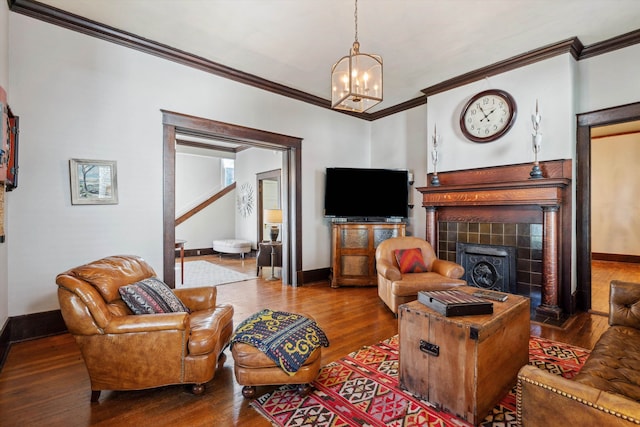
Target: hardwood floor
[44, 381]
[602, 273]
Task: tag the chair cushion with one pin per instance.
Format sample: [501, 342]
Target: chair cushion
[410, 260]
[150, 296]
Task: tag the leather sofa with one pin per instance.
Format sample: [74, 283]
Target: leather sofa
[395, 288]
[606, 391]
[125, 351]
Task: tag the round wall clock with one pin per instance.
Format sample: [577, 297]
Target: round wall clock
[488, 115]
[245, 200]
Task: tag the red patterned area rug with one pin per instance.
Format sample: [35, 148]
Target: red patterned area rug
[361, 389]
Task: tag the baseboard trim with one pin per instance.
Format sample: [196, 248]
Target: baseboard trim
[29, 327]
[317, 275]
[599, 256]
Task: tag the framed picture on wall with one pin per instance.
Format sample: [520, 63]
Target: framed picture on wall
[93, 182]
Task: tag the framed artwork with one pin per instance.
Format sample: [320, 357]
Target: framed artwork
[93, 182]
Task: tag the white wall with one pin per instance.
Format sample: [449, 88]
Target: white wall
[609, 80]
[98, 100]
[550, 82]
[198, 177]
[4, 80]
[400, 142]
[615, 206]
[248, 164]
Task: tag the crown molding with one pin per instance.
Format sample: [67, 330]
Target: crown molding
[77, 23]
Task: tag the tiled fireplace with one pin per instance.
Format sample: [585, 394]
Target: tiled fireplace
[520, 243]
[502, 208]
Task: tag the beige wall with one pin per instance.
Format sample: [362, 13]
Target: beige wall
[615, 195]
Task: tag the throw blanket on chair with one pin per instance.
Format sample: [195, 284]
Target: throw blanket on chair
[286, 338]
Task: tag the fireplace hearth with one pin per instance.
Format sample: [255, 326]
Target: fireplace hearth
[488, 266]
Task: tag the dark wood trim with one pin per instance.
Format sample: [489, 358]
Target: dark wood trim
[585, 122]
[212, 147]
[80, 24]
[174, 123]
[317, 275]
[600, 256]
[611, 44]
[226, 190]
[5, 342]
[572, 46]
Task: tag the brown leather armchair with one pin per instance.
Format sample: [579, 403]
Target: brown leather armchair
[124, 351]
[395, 288]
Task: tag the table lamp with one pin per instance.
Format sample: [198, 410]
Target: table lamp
[274, 217]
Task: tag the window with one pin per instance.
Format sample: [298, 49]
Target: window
[228, 175]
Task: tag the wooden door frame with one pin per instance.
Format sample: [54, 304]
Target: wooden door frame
[585, 122]
[174, 123]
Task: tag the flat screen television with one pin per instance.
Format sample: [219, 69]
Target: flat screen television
[366, 194]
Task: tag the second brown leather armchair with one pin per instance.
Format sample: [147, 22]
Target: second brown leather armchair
[123, 351]
[395, 288]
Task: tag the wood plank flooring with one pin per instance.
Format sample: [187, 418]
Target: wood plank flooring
[44, 381]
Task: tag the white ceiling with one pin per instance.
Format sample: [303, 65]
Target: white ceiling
[422, 42]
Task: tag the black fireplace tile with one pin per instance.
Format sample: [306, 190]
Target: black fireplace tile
[510, 229]
[452, 226]
[536, 242]
[474, 227]
[461, 236]
[536, 254]
[463, 227]
[497, 239]
[523, 253]
[523, 230]
[485, 239]
[485, 228]
[522, 277]
[536, 279]
[497, 228]
[523, 289]
[523, 265]
[524, 241]
[451, 247]
[510, 240]
[473, 238]
[536, 266]
[536, 229]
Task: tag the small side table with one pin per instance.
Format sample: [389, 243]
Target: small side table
[273, 257]
[180, 245]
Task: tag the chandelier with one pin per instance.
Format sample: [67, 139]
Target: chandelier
[356, 79]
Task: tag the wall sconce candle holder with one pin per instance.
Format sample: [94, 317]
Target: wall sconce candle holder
[536, 118]
[434, 157]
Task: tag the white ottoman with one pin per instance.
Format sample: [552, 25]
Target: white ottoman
[232, 246]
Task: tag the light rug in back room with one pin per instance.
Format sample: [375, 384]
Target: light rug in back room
[203, 273]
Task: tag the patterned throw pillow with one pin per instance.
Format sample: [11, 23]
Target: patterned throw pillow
[150, 296]
[410, 261]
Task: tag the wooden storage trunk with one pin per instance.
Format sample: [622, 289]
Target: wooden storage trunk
[464, 364]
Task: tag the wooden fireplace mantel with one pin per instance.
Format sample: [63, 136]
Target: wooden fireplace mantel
[507, 194]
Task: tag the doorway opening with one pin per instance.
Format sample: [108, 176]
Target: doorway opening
[291, 147]
[586, 122]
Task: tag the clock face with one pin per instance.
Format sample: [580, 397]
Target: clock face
[488, 115]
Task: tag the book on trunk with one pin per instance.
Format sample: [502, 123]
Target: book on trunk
[455, 303]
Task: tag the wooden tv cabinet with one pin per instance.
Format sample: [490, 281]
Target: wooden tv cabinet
[353, 251]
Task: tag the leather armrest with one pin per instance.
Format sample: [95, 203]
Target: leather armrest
[388, 270]
[447, 268]
[544, 398]
[147, 323]
[624, 304]
[198, 299]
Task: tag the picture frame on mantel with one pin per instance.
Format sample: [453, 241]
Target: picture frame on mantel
[93, 182]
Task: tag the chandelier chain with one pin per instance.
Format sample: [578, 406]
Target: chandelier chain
[355, 17]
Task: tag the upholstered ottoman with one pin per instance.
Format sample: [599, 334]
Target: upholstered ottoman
[254, 367]
[232, 246]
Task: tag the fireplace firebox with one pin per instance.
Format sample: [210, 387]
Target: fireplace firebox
[488, 266]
